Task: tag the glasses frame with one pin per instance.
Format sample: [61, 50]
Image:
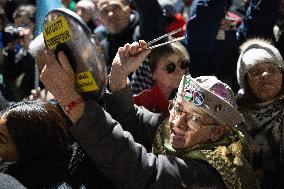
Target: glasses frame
[190, 119]
[271, 72]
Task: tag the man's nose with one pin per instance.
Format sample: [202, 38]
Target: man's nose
[180, 122]
[110, 13]
[265, 74]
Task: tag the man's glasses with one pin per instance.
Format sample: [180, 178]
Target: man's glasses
[257, 73]
[171, 67]
[193, 122]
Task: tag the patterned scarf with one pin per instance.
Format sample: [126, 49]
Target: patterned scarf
[264, 123]
[225, 155]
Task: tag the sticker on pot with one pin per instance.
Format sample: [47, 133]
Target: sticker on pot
[85, 82]
[55, 32]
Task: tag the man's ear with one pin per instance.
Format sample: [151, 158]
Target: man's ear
[217, 131]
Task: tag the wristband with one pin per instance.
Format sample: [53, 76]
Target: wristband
[73, 104]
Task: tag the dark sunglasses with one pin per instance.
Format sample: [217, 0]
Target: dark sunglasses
[171, 67]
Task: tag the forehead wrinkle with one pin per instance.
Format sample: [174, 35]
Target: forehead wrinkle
[265, 64]
[109, 3]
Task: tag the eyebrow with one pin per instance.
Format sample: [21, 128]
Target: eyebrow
[192, 111]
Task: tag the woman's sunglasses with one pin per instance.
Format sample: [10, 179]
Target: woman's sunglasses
[171, 67]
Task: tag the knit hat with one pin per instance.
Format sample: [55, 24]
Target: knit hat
[212, 96]
[9, 182]
[253, 52]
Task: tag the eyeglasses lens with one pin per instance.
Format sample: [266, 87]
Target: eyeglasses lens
[171, 67]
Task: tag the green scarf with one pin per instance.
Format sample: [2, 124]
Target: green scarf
[225, 155]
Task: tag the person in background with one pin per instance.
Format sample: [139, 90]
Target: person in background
[278, 29]
[196, 147]
[260, 100]
[34, 144]
[3, 43]
[261, 16]
[142, 78]
[9, 6]
[69, 4]
[86, 10]
[120, 24]
[264, 19]
[211, 40]
[167, 64]
[18, 64]
[175, 19]
[37, 150]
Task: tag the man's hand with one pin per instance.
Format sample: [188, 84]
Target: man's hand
[58, 77]
[127, 60]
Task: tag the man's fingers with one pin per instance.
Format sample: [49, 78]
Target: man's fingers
[50, 57]
[134, 48]
[121, 54]
[40, 60]
[63, 60]
[142, 44]
[126, 51]
[140, 57]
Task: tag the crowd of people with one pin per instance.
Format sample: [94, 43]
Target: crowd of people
[204, 112]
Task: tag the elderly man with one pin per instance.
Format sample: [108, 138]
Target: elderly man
[196, 147]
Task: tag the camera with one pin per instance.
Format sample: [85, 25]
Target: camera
[13, 33]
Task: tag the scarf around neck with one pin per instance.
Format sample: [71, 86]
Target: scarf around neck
[225, 155]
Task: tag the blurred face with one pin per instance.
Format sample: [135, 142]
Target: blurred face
[169, 71]
[65, 2]
[2, 3]
[8, 149]
[114, 15]
[265, 81]
[189, 125]
[24, 22]
[83, 13]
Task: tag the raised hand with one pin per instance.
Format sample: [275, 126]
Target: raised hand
[58, 77]
[127, 60]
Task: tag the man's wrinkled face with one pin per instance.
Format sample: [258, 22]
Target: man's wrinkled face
[114, 15]
[189, 125]
[8, 149]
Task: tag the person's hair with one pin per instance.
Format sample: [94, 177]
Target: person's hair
[165, 51]
[38, 130]
[25, 11]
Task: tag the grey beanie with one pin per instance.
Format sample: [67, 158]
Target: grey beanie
[253, 52]
[212, 96]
